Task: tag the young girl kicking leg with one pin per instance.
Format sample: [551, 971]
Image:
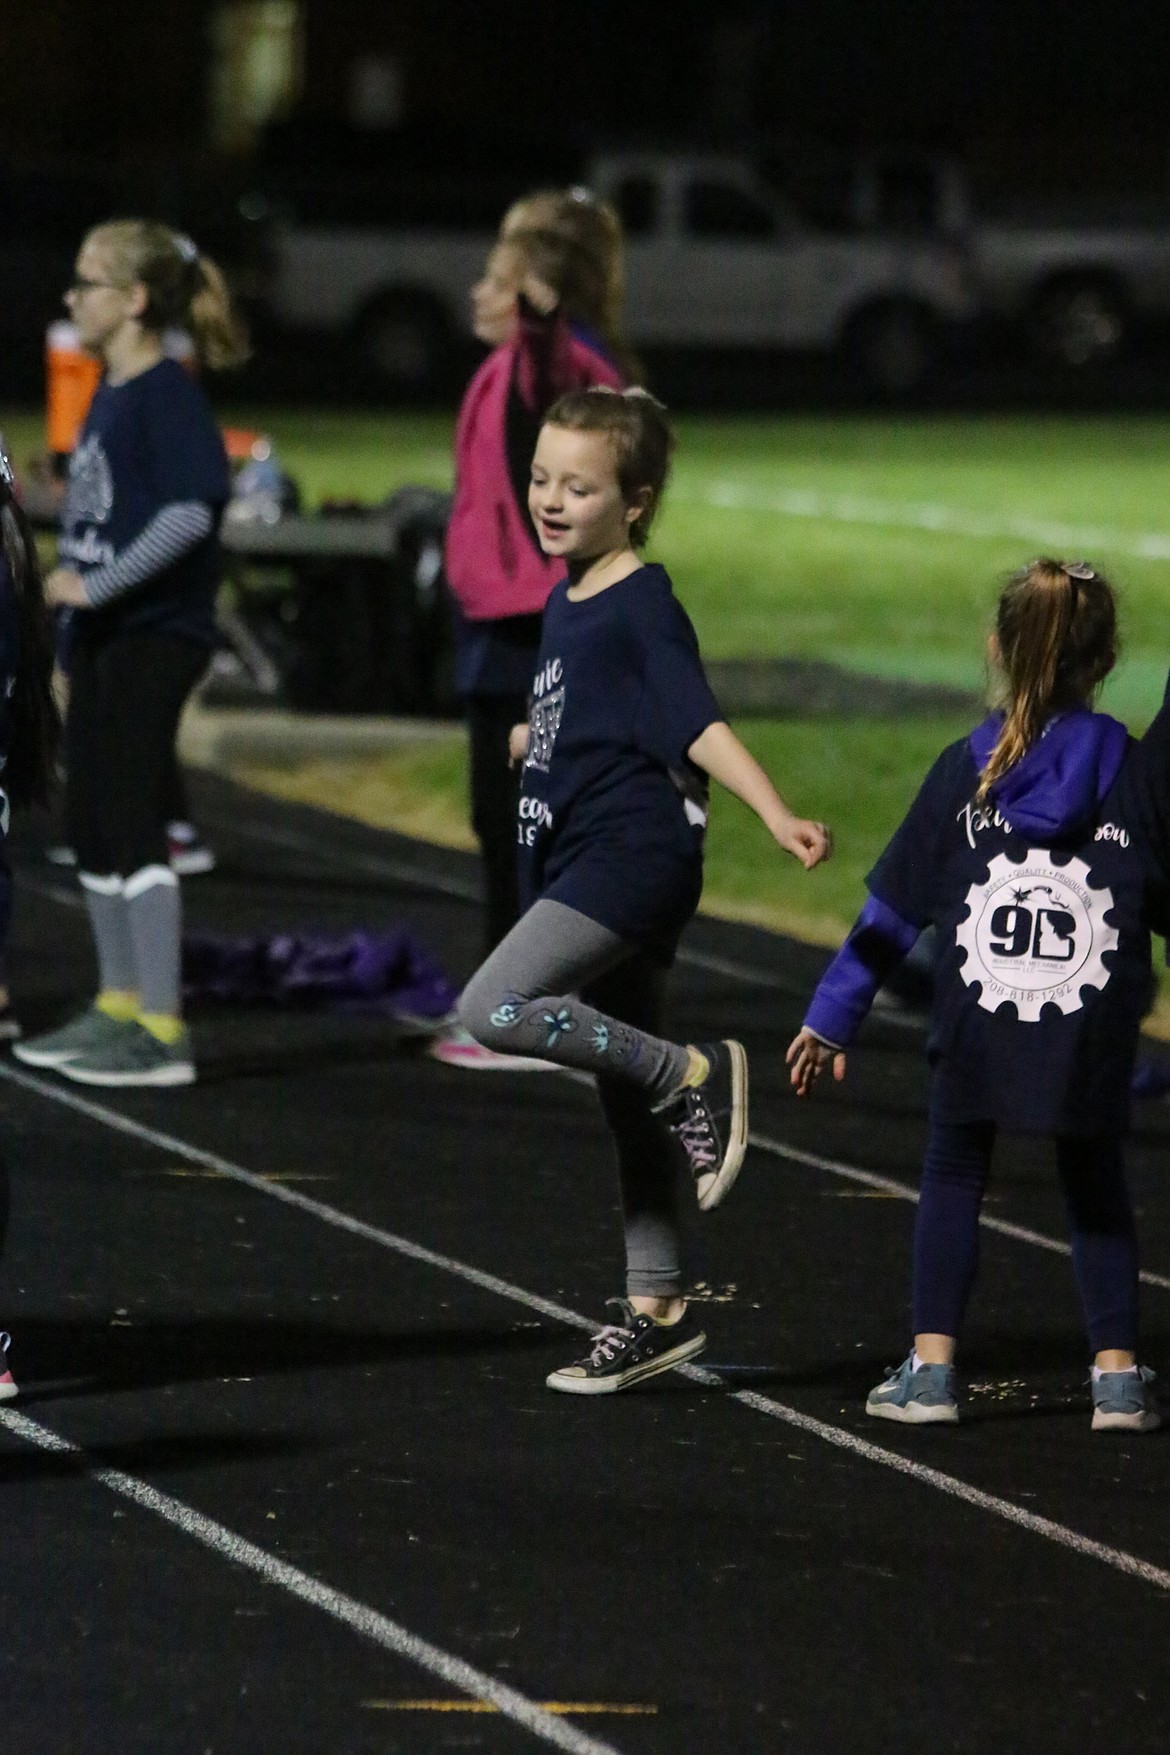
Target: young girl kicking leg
[623, 733]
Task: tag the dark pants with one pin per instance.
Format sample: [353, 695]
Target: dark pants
[125, 697]
[946, 1234]
[495, 799]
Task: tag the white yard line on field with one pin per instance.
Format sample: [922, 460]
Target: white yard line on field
[870, 509]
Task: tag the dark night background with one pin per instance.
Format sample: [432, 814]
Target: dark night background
[181, 107]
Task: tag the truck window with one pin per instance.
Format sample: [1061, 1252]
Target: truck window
[636, 199]
[720, 210]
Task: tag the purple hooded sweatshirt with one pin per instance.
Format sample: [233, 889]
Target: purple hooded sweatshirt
[1042, 898]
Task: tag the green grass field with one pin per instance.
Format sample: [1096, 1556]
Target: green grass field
[877, 543]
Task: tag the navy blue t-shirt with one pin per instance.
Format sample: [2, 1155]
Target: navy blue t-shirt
[612, 812]
[1044, 967]
[146, 444]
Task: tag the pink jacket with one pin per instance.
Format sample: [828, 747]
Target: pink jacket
[493, 562]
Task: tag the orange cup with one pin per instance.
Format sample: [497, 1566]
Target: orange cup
[71, 377]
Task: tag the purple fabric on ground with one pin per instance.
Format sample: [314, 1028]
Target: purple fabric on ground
[391, 973]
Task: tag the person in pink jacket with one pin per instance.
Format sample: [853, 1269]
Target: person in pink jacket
[545, 306]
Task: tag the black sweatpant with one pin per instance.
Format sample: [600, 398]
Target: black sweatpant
[495, 801]
[126, 693]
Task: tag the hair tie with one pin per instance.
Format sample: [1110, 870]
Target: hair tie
[186, 247]
[1077, 570]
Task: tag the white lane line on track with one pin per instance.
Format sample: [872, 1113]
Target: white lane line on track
[906, 1191]
[733, 496]
[843, 1439]
[367, 1622]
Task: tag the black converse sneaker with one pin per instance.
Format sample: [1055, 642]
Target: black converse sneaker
[634, 1347]
[709, 1121]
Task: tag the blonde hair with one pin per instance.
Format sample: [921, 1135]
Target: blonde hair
[183, 288]
[1056, 627]
[638, 430]
[590, 227]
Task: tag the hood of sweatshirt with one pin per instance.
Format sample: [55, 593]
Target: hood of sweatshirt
[1056, 787]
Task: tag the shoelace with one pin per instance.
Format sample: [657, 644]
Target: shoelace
[696, 1136]
[600, 1352]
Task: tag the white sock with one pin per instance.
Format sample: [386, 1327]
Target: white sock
[1125, 1371]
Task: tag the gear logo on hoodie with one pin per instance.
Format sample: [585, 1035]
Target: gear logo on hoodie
[1036, 934]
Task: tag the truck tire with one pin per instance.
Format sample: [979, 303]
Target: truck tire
[405, 340]
[1080, 321]
[893, 346]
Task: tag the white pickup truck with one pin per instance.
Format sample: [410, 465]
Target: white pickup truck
[716, 259]
[1075, 285]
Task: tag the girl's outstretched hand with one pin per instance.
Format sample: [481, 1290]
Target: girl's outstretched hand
[809, 842]
[808, 1056]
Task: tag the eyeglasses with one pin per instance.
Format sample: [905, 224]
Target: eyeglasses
[79, 284]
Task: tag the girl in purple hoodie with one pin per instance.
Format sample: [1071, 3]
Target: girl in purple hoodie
[539, 290]
[1039, 848]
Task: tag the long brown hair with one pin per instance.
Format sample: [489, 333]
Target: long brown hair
[1056, 627]
[183, 287]
[591, 228]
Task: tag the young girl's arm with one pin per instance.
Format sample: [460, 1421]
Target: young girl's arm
[719, 753]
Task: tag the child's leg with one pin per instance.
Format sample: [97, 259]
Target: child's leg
[946, 1233]
[495, 793]
[648, 1162]
[1104, 1246]
[525, 1000]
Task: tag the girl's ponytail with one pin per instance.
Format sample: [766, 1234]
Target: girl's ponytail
[34, 724]
[184, 289]
[216, 329]
[1056, 632]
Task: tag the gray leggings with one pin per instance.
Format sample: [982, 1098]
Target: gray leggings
[525, 1000]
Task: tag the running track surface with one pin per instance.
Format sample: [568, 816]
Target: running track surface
[285, 1479]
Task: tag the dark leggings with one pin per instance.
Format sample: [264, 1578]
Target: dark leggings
[495, 798]
[125, 696]
[946, 1233]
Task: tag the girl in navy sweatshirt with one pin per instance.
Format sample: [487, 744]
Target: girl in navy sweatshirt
[139, 570]
[1039, 848]
[623, 734]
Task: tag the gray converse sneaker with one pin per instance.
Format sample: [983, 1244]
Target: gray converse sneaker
[92, 1032]
[925, 1397]
[1124, 1402]
[134, 1057]
[629, 1350]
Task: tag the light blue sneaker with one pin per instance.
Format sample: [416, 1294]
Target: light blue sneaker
[925, 1397]
[1124, 1402]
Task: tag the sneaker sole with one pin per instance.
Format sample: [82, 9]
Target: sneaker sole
[1147, 1421]
[623, 1379]
[8, 1391]
[914, 1413]
[712, 1193]
[181, 1074]
[44, 1056]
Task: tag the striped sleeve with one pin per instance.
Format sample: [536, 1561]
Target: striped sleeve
[172, 531]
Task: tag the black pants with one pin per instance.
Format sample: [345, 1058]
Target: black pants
[125, 697]
[495, 800]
